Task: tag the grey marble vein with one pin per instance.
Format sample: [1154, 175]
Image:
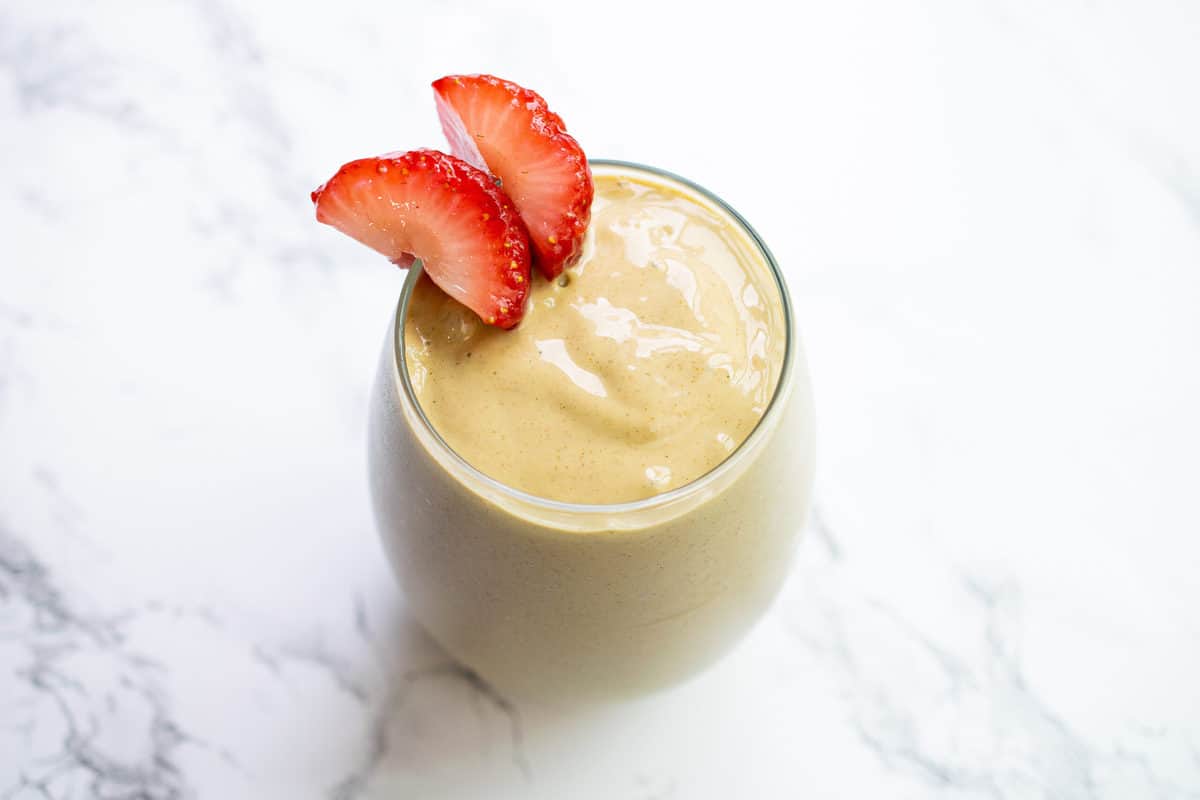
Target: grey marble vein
[819, 528]
[1013, 741]
[390, 712]
[118, 737]
[317, 655]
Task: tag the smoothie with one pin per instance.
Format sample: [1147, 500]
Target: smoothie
[604, 499]
[637, 371]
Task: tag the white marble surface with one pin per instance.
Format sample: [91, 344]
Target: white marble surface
[989, 212]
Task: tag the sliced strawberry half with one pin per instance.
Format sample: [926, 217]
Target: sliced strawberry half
[442, 210]
[499, 126]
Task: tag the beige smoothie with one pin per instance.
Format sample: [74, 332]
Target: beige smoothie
[636, 372]
[602, 500]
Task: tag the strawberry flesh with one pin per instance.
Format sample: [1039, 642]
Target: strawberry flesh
[435, 207]
[499, 126]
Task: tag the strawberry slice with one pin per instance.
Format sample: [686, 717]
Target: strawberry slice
[499, 126]
[440, 209]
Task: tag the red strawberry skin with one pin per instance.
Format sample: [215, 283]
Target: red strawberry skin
[509, 130]
[442, 210]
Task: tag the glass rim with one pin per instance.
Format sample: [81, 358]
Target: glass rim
[773, 410]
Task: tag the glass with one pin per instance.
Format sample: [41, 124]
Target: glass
[584, 602]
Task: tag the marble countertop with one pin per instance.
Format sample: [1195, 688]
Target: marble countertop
[989, 213]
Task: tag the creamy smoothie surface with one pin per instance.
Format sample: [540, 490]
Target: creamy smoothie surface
[638, 371]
